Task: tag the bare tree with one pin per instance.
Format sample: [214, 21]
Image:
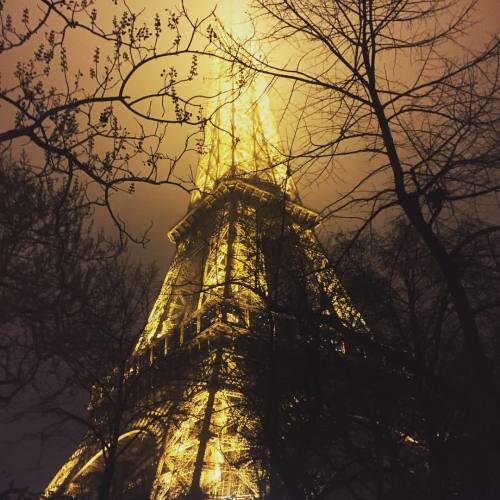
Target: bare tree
[428, 139]
[334, 417]
[47, 255]
[389, 84]
[99, 367]
[50, 256]
[72, 306]
[88, 115]
[413, 315]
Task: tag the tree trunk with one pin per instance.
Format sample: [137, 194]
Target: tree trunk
[104, 492]
[480, 447]
[195, 491]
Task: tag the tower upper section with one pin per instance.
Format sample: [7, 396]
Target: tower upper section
[241, 137]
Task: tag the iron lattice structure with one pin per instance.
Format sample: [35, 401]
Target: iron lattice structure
[247, 259]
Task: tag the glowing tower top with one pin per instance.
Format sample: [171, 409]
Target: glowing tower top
[241, 137]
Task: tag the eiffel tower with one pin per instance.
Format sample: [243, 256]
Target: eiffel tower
[247, 260]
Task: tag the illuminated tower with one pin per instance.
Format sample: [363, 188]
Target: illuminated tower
[247, 259]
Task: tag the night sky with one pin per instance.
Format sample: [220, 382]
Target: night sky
[28, 461]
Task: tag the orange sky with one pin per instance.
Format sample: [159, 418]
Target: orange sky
[164, 205]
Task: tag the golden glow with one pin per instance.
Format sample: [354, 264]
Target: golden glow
[224, 473]
[325, 275]
[214, 276]
[242, 140]
[155, 327]
[233, 16]
[97, 456]
[246, 281]
[248, 276]
[63, 473]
